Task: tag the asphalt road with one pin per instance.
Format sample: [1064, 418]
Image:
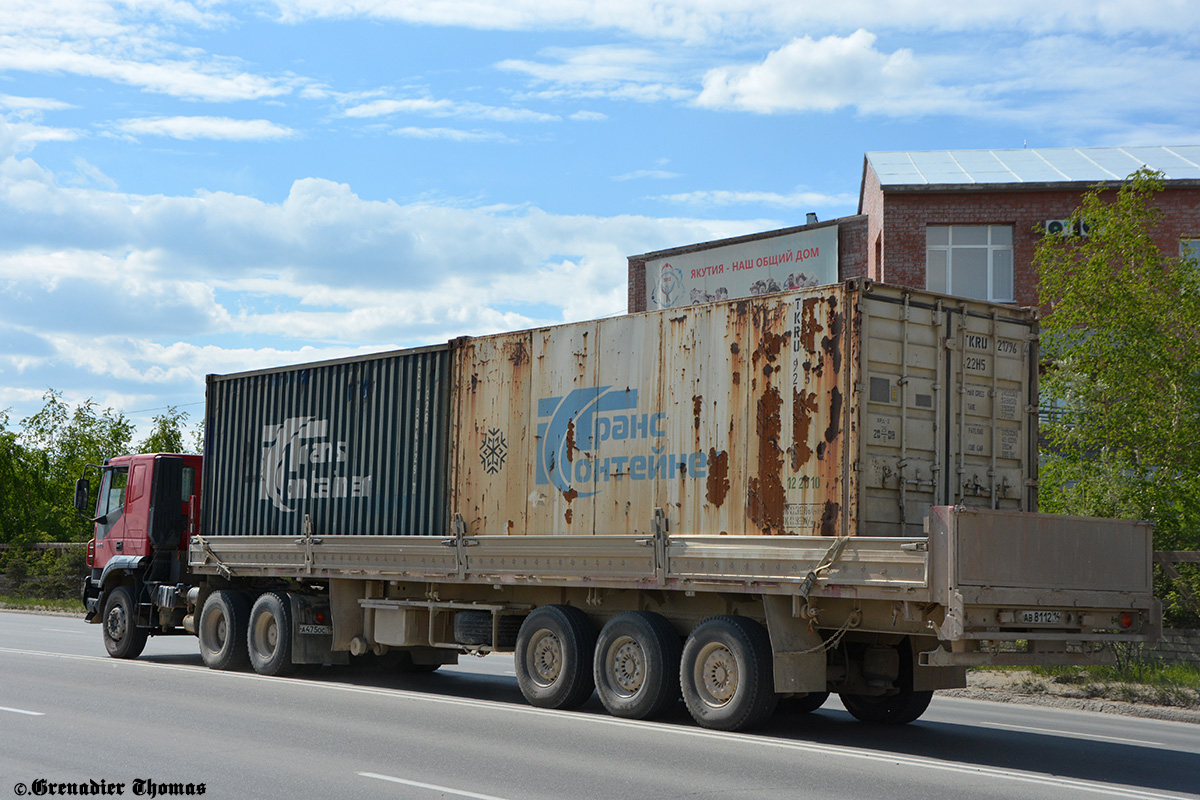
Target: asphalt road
[71, 715]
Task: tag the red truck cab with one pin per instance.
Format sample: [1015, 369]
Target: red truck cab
[146, 512]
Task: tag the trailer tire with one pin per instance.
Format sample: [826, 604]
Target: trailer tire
[122, 636]
[269, 635]
[806, 704]
[893, 709]
[222, 630]
[554, 657]
[727, 674]
[637, 664]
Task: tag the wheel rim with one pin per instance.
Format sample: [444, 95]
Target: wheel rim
[716, 674]
[117, 622]
[217, 629]
[266, 635]
[625, 663]
[546, 658]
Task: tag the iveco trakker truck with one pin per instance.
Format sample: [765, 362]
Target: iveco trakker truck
[832, 490]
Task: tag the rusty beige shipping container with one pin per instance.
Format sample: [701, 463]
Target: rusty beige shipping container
[842, 410]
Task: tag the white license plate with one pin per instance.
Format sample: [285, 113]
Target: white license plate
[316, 630]
[1041, 617]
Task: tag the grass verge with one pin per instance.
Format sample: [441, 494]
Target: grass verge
[39, 604]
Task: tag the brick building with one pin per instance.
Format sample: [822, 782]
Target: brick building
[965, 222]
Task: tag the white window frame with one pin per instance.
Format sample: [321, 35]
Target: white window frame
[1189, 247]
[995, 244]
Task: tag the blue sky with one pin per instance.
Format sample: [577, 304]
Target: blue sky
[197, 186]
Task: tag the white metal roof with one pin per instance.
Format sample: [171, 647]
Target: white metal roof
[1036, 165]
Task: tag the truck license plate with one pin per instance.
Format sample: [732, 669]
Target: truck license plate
[316, 630]
[1041, 617]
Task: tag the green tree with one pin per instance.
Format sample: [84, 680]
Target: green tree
[1121, 371]
[58, 442]
[167, 434]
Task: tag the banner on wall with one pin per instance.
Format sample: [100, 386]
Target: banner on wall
[776, 264]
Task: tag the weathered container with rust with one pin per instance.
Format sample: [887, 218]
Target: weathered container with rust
[843, 410]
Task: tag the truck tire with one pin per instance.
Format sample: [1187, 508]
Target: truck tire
[637, 665]
[804, 705]
[554, 657]
[892, 709]
[475, 628]
[269, 635]
[122, 637]
[727, 674]
[222, 630]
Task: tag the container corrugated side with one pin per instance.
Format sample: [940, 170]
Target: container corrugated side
[732, 417]
[358, 446]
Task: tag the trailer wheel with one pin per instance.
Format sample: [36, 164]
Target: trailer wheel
[806, 704]
[269, 635]
[122, 637]
[892, 709]
[636, 665]
[554, 657]
[727, 675]
[222, 630]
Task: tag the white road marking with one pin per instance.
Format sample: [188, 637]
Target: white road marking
[752, 740]
[430, 786]
[23, 711]
[64, 630]
[1072, 734]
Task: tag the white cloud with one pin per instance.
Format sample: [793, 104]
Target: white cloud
[20, 137]
[32, 104]
[446, 108]
[825, 75]
[640, 174]
[726, 20]
[720, 198]
[223, 128]
[589, 116]
[451, 134]
[613, 72]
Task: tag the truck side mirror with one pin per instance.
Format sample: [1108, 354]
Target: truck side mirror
[82, 490]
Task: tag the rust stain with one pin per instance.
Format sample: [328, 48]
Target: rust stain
[511, 525]
[570, 494]
[835, 415]
[570, 448]
[804, 405]
[568, 516]
[832, 344]
[516, 353]
[697, 407]
[733, 348]
[718, 477]
[829, 518]
[737, 378]
[766, 496]
[810, 326]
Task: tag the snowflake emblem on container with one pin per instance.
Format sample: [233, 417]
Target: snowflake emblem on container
[493, 451]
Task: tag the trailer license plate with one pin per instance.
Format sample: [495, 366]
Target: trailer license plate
[316, 630]
[1041, 617]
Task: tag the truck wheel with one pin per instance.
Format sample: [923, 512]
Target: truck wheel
[122, 637]
[892, 709]
[222, 630]
[806, 704]
[269, 635]
[727, 674]
[554, 657]
[636, 665]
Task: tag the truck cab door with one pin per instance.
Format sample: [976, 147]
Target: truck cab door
[110, 514]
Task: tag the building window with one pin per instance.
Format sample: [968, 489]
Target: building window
[970, 261]
[1189, 249]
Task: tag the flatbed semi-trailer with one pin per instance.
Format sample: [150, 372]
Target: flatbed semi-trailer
[832, 490]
